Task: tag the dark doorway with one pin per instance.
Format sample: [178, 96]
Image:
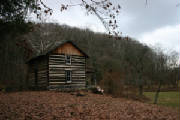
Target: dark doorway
[36, 77]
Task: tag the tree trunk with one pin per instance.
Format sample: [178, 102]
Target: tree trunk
[140, 90]
[157, 93]
[140, 85]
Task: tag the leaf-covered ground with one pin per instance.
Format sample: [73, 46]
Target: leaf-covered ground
[49, 105]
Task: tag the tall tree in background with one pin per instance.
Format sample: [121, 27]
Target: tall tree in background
[44, 37]
[166, 71]
[13, 24]
[161, 69]
[13, 15]
[137, 60]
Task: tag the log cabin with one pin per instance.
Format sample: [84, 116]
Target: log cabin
[64, 66]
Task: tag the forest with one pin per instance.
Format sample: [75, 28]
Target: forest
[131, 75]
[121, 66]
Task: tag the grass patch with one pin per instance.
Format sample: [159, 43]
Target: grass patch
[170, 99]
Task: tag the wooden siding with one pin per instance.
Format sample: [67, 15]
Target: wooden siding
[57, 67]
[38, 70]
[68, 49]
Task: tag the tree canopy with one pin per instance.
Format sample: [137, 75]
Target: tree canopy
[13, 13]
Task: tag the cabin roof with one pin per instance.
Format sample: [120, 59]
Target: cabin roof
[58, 44]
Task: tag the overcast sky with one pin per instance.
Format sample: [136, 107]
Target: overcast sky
[155, 24]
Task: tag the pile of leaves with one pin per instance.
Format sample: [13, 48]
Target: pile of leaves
[50, 105]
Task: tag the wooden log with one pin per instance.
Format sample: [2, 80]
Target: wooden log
[56, 55]
[57, 72]
[56, 59]
[78, 72]
[56, 62]
[65, 66]
[54, 75]
[57, 82]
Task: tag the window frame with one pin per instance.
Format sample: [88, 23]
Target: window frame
[68, 76]
[68, 60]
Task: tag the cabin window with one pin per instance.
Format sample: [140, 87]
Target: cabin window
[68, 76]
[68, 59]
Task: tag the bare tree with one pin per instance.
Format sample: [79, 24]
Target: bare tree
[44, 37]
[161, 68]
[105, 10]
[137, 57]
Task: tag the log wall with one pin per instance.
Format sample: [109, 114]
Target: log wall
[57, 67]
[38, 73]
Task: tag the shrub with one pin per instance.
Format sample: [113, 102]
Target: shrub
[112, 84]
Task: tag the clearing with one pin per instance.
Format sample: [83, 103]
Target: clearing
[170, 99]
[50, 105]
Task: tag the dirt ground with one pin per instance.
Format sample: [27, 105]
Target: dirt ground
[50, 105]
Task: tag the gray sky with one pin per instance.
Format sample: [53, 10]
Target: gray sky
[155, 24]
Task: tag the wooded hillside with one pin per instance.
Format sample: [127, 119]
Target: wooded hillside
[116, 63]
